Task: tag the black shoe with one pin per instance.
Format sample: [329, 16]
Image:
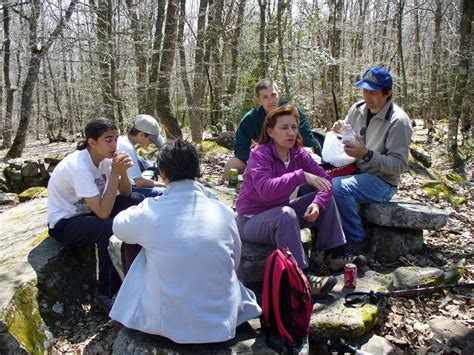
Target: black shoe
[104, 302]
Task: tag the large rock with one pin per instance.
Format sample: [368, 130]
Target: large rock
[389, 243]
[41, 281]
[405, 213]
[333, 319]
[453, 333]
[8, 198]
[413, 276]
[249, 340]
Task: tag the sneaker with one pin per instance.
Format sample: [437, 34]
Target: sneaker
[337, 262]
[104, 302]
[320, 286]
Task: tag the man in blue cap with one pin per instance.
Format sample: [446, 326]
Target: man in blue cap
[382, 134]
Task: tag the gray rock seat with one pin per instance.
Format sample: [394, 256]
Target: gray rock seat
[396, 228]
[41, 281]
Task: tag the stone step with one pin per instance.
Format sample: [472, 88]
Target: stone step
[41, 281]
[405, 213]
[249, 340]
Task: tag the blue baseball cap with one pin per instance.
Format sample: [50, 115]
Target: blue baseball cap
[375, 78]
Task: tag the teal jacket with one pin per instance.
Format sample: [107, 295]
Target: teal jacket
[250, 127]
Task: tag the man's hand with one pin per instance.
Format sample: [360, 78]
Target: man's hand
[121, 162]
[356, 149]
[312, 213]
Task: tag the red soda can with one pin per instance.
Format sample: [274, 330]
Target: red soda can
[350, 275]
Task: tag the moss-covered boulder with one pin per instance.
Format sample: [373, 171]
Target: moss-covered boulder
[33, 192]
[333, 319]
[54, 159]
[42, 281]
[208, 148]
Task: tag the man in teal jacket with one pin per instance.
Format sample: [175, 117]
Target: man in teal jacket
[250, 127]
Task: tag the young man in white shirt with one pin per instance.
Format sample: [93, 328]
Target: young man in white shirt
[146, 130]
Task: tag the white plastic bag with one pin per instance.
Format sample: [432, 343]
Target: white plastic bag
[333, 151]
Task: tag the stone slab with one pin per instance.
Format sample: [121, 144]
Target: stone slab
[413, 276]
[41, 281]
[405, 213]
[389, 243]
[453, 333]
[249, 339]
[331, 318]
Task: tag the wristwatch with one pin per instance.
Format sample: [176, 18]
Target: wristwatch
[368, 156]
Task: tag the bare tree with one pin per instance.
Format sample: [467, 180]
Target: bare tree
[163, 102]
[37, 52]
[465, 31]
[7, 126]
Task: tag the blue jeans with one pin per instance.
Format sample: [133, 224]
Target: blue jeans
[149, 191]
[350, 190]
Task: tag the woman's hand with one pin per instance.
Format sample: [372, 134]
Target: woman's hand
[312, 213]
[317, 182]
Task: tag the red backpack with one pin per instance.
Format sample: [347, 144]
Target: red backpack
[286, 299]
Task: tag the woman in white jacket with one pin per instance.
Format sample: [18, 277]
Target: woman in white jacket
[183, 284]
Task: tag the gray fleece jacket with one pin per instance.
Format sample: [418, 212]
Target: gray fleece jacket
[388, 136]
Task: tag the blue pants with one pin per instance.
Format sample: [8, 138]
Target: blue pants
[89, 229]
[280, 226]
[149, 191]
[350, 190]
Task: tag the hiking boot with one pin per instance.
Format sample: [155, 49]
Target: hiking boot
[320, 286]
[104, 302]
[337, 262]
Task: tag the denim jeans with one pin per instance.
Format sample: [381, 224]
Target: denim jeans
[149, 191]
[350, 190]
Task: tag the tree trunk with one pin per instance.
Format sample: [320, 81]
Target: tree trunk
[138, 36]
[36, 54]
[282, 6]
[7, 123]
[216, 28]
[104, 31]
[200, 75]
[401, 7]
[461, 82]
[155, 60]
[262, 55]
[433, 114]
[163, 104]
[182, 59]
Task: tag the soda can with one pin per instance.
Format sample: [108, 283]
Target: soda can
[233, 177]
[350, 275]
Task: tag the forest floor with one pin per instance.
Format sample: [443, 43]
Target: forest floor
[404, 322]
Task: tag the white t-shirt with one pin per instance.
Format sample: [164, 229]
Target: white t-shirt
[125, 146]
[74, 178]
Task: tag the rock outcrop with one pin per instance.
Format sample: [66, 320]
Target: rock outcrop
[41, 281]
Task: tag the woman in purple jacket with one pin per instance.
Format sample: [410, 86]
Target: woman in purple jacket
[276, 167]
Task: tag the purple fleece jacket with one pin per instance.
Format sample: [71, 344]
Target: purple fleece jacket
[268, 183]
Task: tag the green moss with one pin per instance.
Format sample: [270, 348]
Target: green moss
[32, 192]
[432, 281]
[24, 320]
[367, 314]
[207, 148]
[42, 236]
[3, 187]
